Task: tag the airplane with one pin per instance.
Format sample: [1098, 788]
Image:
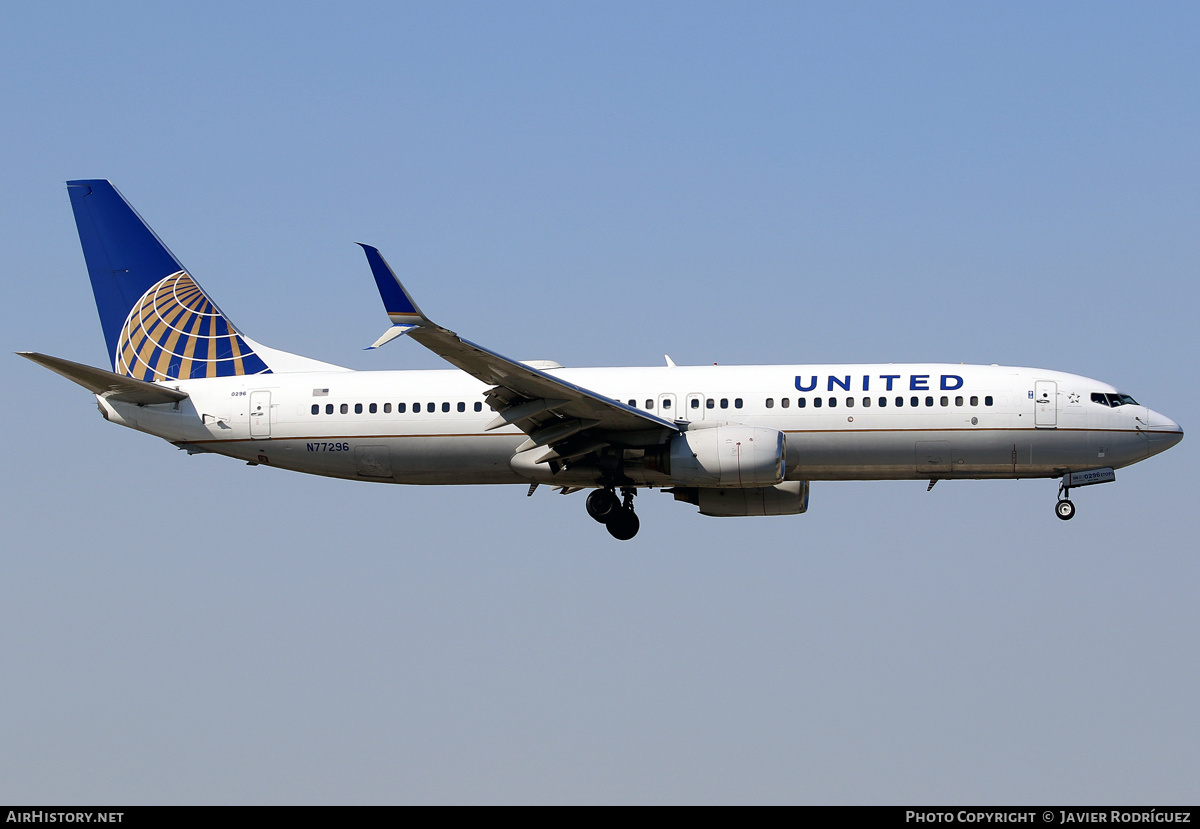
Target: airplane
[730, 440]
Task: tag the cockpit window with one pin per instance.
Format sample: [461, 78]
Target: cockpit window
[1113, 400]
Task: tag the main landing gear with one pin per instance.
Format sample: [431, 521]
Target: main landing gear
[614, 513]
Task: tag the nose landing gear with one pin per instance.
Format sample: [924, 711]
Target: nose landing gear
[1064, 509]
[615, 514]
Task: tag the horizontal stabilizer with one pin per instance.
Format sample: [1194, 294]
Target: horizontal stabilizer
[105, 383]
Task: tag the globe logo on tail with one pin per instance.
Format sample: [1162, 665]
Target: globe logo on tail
[175, 332]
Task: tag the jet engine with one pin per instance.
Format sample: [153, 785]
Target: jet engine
[788, 498]
[728, 455]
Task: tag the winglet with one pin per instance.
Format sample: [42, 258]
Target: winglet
[400, 308]
[389, 335]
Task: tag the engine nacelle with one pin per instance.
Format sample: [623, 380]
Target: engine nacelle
[788, 498]
[731, 455]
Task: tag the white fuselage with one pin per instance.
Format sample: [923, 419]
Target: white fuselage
[842, 422]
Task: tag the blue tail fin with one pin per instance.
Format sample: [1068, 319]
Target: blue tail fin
[158, 323]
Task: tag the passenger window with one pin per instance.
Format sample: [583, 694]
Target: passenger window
[345, 408]
[649, 405]
[724, 402]
[737, 403]
[914, 401]
[987, 401]
[316, 409]
[899, 401]
[785, 402]
[401, 408]
[770, 402]
[431, 407]
[882, 402]
[866, 401]
[945, 400]
[958, 401]
[478, 406]
[358, 408]
[801, 402]
[832, 402]
[695, 402]
[373, 408]
[849, 402]
[445, 407]
[462, 407]
[328, 408]
[928, 401]
[818, 402]
[416, 407]
[974, 400]
[666, 404]
[708, 404]
[387, 408]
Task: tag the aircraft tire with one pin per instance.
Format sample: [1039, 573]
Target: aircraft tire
[1064, 509]
[624, 525]
[602, 505]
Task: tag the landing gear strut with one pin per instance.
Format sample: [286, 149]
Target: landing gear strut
[1064, 509]
[616, 514]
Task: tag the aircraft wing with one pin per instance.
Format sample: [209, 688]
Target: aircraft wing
[569, 420]
[105, 383]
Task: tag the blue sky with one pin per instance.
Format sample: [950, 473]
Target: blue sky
[735, 183]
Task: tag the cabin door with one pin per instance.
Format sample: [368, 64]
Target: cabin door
[260, 414]
[1045, 404]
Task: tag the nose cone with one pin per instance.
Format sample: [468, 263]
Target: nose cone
[1163, 432]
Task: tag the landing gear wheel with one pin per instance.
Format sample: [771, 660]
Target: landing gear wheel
[1064, 509]
[624, 525]
[602, 505]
